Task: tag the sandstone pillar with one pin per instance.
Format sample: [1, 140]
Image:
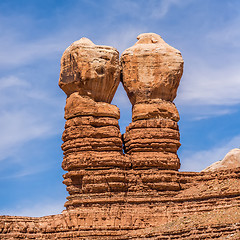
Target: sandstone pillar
[92, 145]
[151, 74]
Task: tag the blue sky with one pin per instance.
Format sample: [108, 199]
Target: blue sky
[35, 33]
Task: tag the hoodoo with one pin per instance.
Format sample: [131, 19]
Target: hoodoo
[92, 147]
[151, 74]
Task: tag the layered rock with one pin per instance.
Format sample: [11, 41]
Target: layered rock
[206, 207]
[92, 140]
[151, 73]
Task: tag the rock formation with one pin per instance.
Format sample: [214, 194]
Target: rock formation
[92, 146]
[91, 70]
[230, 161]
[139, 193]
[151, 73]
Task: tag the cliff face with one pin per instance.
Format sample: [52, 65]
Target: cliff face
[138, 193]
[206, 207]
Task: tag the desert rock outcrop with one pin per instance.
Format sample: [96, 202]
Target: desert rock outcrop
[230, 161]
[151, 73]
[92, 140]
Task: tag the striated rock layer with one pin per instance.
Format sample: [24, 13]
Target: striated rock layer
[151, 73]
[92, 150]
[92, 147]
[206, 207]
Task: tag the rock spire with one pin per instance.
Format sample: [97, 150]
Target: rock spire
[92, 146]
[151, 72]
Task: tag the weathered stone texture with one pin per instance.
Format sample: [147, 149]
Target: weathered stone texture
[151, 74]
[205, 207]
[151, 69]
[90, 69]
[230, 161]
[92, 147]
[92, 150]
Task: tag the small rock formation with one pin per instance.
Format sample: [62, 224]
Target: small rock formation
[151, 74]
[92, 146]
[230, 161]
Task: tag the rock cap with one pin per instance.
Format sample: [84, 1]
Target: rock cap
[152, 69]
[91, 70]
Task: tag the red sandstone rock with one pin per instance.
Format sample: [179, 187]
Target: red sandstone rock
[77, 105]
[92, 145]
[157, 109]
[151, 69]
[91, 70]
[151, 73]
[208, 208]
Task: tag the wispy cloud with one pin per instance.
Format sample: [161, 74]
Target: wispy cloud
[143, 10]
[11, 81]
[19, 46]
[23, 115]
[18, 53]
[203, 85]
[197, 161]
[201, 112]
[229, 35]
[161, 8]
[30, 209]
[128, 37]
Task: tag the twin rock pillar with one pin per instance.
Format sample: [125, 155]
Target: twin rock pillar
[92, 147]
[97, 170]
[151, 74]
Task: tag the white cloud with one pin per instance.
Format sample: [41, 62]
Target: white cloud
[161, 8]
[197, 161]
[211, 112]
[23, 115]
[229, 35]
[128, 37]
[18, 127]
[11, 81]
[18, 47]
[204, 85]
[19, 53]
[200, 112]
[143, 10]
[25, 168]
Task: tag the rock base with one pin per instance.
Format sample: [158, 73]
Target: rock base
[205, 207]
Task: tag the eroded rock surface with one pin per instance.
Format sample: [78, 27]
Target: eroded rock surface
[90, 69]
[151, 69]
[92, 147]
[206, 207]
[151, 73]
[230, 161]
